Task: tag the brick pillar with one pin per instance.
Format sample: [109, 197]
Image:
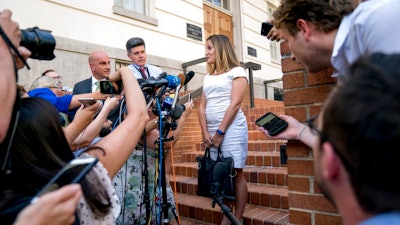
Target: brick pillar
[304, 94]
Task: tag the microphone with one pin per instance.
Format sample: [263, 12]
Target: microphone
[168, 102]
[140, 81]
[169, 80]
[218, 174]
[185, 78]
[176, 112]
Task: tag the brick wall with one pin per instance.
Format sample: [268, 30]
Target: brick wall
[304, 94]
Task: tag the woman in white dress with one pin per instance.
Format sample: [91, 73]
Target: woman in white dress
[221, 119]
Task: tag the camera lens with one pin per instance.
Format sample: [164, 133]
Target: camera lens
[41, 43]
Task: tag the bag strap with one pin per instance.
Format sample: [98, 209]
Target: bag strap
[219, 155]
[207, 153]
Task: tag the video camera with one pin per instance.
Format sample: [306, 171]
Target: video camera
[40, 42]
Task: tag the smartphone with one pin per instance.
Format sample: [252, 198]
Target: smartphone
[272, 123]
[190, 96]
[71, 173]
[87, 101]
[265, 28]
[107, 87]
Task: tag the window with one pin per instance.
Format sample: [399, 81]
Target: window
[142, 10]
[274, 46]
[220, 3]
[132, 5]
[119, 64]
[278, 94]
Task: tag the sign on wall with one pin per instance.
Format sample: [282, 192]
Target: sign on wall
[194, 32]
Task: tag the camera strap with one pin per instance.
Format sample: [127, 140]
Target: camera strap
[5, 146]
[10, 44]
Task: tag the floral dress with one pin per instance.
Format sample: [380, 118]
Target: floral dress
[130, 188]
[85, 214]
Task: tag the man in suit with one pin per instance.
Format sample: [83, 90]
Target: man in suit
[99, 63]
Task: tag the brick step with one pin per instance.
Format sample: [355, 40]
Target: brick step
[194, 139]
[200, 209]
[263, 145]
[253, 174]
[188, 221]
[253, 159]
[273, 196]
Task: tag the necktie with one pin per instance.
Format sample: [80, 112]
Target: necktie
[143, 72]
[97, 83]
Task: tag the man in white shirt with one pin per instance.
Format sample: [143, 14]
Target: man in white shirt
[321, 34]
[136, 52]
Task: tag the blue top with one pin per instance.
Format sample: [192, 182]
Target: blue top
[61, 103]
[392, 218]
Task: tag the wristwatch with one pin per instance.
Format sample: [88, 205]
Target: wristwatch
[220, 132]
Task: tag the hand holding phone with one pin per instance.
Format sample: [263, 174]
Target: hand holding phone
[71, 173]
[272, 123]
[265, 28]
[87, 101]
[107, 87]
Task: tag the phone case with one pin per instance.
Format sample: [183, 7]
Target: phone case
[272, 123]
[106, 87]
[87, 101]
[71, 173]
[265, 28]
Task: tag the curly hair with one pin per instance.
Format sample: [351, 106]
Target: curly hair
[325, 14]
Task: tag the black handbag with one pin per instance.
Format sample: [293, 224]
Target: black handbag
[206, 179]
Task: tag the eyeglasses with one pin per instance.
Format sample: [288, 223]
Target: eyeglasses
[324, 138]
[58, 88]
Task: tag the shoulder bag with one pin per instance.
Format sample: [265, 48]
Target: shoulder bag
[206, 179]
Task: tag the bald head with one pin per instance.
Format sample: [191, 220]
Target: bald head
[99, 63]
[95, 55]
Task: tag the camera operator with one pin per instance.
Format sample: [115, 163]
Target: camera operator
[56, 207]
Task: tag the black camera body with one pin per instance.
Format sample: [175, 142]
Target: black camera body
[40, 42]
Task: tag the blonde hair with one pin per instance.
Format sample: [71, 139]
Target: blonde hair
[45, 81]
[225, 54]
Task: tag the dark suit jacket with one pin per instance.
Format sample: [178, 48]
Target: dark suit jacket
[85, 86]
[82, 87]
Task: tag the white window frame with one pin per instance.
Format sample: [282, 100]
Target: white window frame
[146, 16]
[274, 46]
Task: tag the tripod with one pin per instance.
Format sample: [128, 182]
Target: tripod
[217, 192]
[225, 209]
[165, 125]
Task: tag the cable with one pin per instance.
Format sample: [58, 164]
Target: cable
[175, 190]
[160, 147]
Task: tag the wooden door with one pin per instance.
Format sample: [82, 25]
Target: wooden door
[217, 22]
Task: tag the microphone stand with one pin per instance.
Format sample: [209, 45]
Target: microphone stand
[217, 198]
[164, 128]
